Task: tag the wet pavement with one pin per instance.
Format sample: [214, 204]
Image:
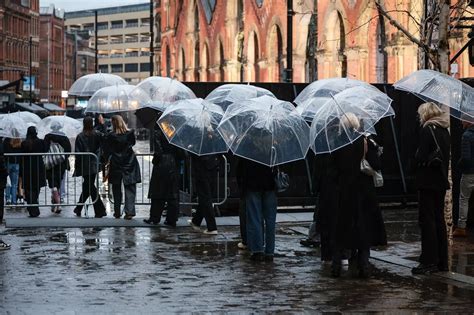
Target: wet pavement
[142, 270]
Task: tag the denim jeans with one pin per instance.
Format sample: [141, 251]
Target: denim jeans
[466, 188]
[261, 208]
[13, 173]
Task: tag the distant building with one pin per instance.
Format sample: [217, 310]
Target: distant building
[52, 55]
[19, 20]
[123, 38]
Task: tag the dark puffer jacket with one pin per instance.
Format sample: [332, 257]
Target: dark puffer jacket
[466, 162]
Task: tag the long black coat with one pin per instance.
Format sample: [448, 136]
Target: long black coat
[432, 178]
[32, 168]
[87, 165]
[253, 176]
[123, 161]
[164, 182]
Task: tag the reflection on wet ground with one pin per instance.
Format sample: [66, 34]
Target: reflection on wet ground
[130, 270]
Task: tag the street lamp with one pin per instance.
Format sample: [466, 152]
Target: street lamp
[152, 35]
[96, 32]
[289, 42]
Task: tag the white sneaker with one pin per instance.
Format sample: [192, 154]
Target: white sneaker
[206, 231]
[241, 245]
[194, 226]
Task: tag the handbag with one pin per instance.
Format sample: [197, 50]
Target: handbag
[435, 158]
[282, 181]
[367, 169]
[55, 157]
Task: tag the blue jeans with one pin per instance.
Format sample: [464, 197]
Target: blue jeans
[261, 208]
[13, 173]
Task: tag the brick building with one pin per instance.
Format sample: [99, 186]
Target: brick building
[245, 40]
[52, 54]
[19, 19]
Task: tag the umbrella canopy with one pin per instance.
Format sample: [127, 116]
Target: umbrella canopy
[265, 130]
[89, 84]
[227, 94]
[29, 118]
[434, 86]
[117, 98]
[319, 92]
[164, 91]
[59, 125]
[192, 125]
[12, 126]
[346, 116]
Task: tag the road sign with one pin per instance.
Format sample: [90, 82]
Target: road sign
[26, 84]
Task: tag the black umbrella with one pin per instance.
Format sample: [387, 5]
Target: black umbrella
[147, 117]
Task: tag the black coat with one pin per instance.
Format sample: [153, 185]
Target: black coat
[32, 168]
[429, 177]
[204, 167]
[7, 148]
[164, 182]
[253, 176]
[466, 162]
[3, 169]
[118, 148]
[87, 165]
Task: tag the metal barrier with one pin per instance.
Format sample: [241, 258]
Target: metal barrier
[186, 182]
[33, 170]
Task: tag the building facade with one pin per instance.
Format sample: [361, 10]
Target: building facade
[123, 38]
[53, 69]
[246, 40]
[19, 21]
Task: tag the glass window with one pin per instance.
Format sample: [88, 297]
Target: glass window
[131, 67]
[117, 68]
[144, 67]
[103, 68]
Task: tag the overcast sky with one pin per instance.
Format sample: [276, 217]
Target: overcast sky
[76, 5]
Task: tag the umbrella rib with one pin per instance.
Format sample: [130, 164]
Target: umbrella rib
[243, 135]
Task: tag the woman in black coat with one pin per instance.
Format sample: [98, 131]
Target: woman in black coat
[432, 183]
[164, 182]
[32, 169]
[87, 166]
[124, 166]
[56, 173]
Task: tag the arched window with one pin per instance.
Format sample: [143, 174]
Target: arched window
[196, 18]
[240, 14]
[276, 53]
[196, 63]
[252, 58]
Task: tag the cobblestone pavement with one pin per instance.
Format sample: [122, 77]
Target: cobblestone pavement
[142, 270]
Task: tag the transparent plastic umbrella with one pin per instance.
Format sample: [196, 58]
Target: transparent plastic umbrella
[88, 84]
[163, 91]
[12, 126]
[117, 98]
[265, 130]
[434, 86]
[59, 125]
[30, 119]
[227, 94]
[319, 92]
[346, 116]
[192, 125]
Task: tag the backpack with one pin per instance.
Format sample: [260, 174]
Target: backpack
[56, 157]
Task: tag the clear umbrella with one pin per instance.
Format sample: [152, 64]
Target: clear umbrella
[30, 119]
[163, 91]
[319, 92]
[227, 94]
[117, 98]
[12, 126]
[59, 125]
[346, 116]
[87, 85]
[434, 86]
[192, 125]
[265, 130]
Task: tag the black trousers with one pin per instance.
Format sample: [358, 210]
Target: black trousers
[243, 220]
[158, 205]
[89, 190]
[204, 209]
[434, 240]
[32, 195]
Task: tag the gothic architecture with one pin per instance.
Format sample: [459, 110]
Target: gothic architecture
[245, 40]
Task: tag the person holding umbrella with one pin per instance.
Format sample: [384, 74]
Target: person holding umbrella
[124, 167]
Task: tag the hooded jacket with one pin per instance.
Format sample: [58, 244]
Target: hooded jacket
[466, 162]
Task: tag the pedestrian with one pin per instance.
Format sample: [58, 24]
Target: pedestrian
[124, 167]
[432, 159]
[99, 124]
[204, 168]
[3, 182]
[164, 182]
[258, 186]
[12, 146]
[87, 166]
[57, 141]
[347, 161]
[32, 169]
[466, 165]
